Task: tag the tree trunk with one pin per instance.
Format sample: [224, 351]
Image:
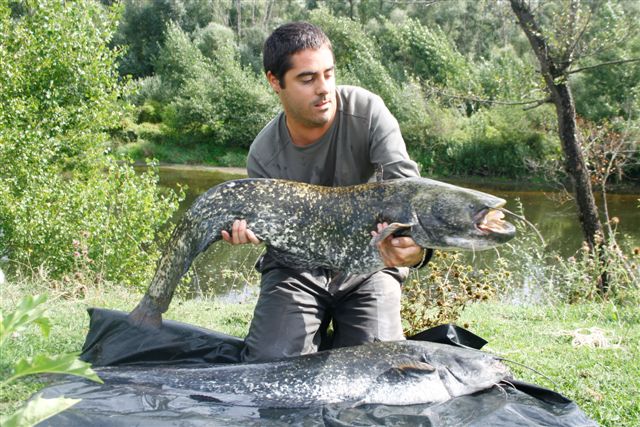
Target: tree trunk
[556, 81]
[239, 20]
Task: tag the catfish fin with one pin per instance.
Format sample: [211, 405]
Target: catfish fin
[411, 369]
[379, 172]
[391, 229]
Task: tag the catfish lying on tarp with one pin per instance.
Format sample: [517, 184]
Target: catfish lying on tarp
[390, 373]
[309, 226]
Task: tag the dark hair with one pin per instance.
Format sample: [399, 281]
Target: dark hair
[287, 40]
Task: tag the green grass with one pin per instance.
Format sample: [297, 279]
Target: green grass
[603, 381]
[70, 324]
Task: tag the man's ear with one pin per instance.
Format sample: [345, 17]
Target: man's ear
[274, 82]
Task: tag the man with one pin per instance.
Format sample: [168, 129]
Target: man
[330, 136]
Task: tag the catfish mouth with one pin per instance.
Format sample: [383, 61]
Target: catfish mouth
[490, 221]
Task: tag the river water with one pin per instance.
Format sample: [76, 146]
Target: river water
[225, 271]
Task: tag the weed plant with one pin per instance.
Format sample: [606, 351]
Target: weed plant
[525, 271]
[438, 294]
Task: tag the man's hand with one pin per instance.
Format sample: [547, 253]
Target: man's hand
[398, 251]
[240, 234]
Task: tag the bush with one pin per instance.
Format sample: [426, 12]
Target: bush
[409, 48]
[64, 201]
[211, 98]
[149, 112]
[439, 293]
[501, 141]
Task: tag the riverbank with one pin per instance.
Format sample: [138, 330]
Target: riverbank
[599, 370]
[497, 183]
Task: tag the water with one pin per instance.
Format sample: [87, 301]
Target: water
[226, 271]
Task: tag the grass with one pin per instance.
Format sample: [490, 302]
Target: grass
[603, 381]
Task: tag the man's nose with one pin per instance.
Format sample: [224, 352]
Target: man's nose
[323, 86]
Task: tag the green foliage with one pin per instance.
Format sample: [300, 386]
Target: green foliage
[142, 28]
[426, 53]
[64, 201]
[435, 66]
[500, 142]
[492, 142]
[251, 49]
[506, 74]
[30, 311]
[36, 411]
[211, 97]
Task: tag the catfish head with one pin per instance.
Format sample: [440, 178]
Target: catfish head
[451, 217]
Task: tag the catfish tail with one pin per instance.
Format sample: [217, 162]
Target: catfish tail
[199, 228]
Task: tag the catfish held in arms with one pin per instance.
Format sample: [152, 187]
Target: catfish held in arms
[310, 226]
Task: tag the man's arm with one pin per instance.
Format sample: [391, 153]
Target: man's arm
[387, 148]
[386, 145]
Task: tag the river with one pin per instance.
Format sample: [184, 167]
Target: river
[222, 269]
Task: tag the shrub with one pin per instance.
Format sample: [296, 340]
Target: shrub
[440, 292]
[64, 201]
[409, 48]
[211, 98]
[501, 141]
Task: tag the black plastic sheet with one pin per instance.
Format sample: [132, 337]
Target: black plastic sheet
[113, 341]
[121, 405]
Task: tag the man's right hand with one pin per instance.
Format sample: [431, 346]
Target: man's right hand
[240, 234]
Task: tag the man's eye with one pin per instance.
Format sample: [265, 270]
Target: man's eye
[308, 80]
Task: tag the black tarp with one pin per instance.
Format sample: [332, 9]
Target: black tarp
[113, 342]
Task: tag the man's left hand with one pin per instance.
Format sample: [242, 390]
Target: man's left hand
[398, 251]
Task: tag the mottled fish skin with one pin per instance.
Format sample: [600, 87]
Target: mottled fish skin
[309, 226]
[389, 373]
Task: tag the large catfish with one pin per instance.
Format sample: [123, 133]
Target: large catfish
[390, 373]
[307, 226]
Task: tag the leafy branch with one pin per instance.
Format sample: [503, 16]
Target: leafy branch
[31, 311]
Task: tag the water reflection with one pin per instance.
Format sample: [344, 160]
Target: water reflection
[226, 271]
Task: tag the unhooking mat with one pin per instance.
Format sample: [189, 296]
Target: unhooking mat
[156, 379]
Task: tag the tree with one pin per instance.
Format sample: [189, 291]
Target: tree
[143, 27]
[558, 45]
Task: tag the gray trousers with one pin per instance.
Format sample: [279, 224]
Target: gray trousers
[295, 308]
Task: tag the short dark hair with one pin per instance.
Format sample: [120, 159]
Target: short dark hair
[285, 41]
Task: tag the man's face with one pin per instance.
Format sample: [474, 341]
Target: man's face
[309, 93]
